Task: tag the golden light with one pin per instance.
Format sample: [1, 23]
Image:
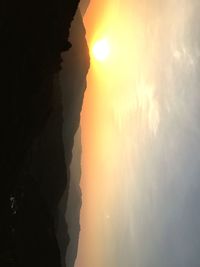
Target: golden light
[120, 107]
[101, 50]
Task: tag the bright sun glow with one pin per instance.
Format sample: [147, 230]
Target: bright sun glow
[101, 50]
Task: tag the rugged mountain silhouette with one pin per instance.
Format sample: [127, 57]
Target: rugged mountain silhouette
[83, 6]
[33, 166]
[75, 64]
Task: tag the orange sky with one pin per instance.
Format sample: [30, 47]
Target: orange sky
[108, 114]
[140, 130]
[92, 185]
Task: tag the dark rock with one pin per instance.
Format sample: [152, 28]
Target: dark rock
[32, 164]
[75, 65]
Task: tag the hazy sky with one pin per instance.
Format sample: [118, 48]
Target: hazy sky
[141, 136]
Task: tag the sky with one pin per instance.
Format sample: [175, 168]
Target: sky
[140, 134]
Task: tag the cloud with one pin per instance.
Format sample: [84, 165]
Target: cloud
[145, 174]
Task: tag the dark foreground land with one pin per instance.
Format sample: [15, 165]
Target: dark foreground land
[34, 162]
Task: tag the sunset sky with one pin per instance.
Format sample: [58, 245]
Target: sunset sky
[139, 131]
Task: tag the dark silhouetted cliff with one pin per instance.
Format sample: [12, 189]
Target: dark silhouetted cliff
[75, 64]
[33, 166]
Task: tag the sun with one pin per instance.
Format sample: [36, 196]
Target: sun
[101, 50]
